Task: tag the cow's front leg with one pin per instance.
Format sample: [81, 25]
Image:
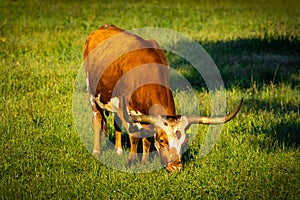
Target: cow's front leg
[134, 141]
[146, 149]
[118, 145]
[118, 134]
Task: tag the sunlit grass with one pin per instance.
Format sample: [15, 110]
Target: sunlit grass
[255, 45]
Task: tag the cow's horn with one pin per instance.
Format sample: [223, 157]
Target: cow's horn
[215, 120]
[137, 118]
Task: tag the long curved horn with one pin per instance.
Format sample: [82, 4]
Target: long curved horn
[137, 118]
[215, 120]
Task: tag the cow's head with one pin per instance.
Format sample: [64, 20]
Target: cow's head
[170, 139]
[170, 133]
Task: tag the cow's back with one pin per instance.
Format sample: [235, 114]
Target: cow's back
[96, 37]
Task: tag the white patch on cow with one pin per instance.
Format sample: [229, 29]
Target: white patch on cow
[94, 113]
[173, 142]
[184, 122]
[92, 100]
[119, 151]
[139, 126]
[87, 81]
[171, 129]
[115, 103]
[133, 113]
[112, 105]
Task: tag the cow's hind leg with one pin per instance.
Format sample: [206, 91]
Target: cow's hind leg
[97, 122]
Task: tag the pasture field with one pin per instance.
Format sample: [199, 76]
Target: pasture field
[255, 45]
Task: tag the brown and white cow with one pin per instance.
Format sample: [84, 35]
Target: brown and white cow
[128, 75]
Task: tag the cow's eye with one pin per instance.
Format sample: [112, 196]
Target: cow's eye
[163, 142]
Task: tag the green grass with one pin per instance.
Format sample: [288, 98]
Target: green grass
[255, 45]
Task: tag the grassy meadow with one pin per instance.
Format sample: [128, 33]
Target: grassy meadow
[255, 45]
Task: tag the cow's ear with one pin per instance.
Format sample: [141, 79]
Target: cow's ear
[183, 122]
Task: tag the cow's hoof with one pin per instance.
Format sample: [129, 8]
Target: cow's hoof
[118, 151]
[145, 159]
[96, 154]
[132, 159]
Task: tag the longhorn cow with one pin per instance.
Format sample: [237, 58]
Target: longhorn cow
[128, 76]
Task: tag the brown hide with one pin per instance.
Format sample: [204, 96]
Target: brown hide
[120, 63]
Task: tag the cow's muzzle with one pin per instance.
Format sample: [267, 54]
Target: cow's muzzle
[174, 166]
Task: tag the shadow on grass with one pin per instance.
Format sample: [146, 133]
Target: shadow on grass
[245, 61]
[284, 134]
[266, 60]
[284, 131]
[271, 105]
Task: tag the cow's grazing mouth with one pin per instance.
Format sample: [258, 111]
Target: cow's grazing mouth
[128, 75]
